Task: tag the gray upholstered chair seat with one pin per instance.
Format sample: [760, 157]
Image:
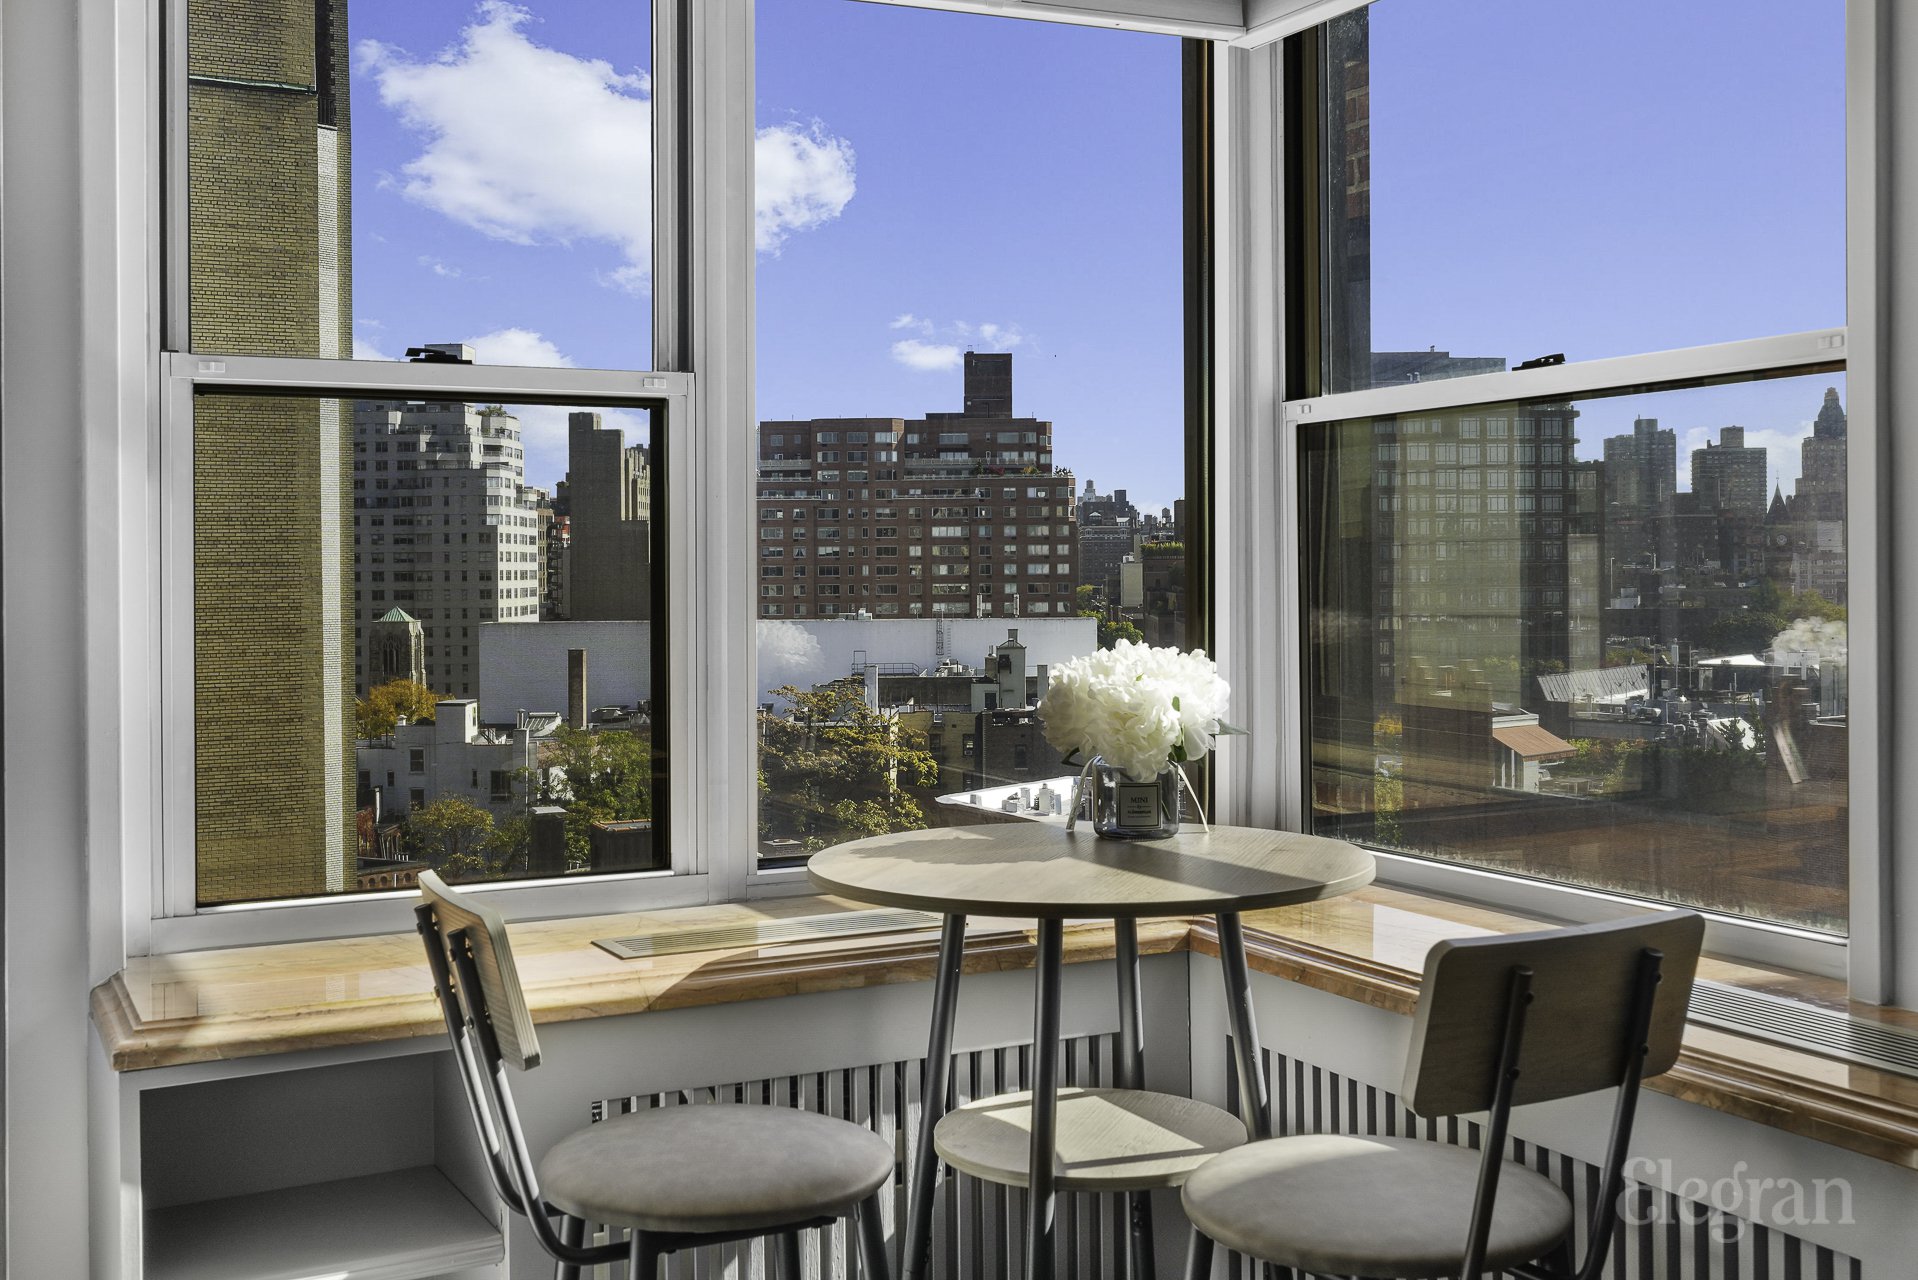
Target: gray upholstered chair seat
[1391, 1208]
[710, 1168]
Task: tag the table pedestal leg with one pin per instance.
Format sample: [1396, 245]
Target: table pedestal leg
[916, 1240]
[1041, 1216]
[1131, 1074]
[1255, 1100]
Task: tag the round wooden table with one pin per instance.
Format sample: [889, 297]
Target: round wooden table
[1029, 869]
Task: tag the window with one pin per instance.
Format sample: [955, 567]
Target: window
[961, 375]
[338, 247]
[1628, 670]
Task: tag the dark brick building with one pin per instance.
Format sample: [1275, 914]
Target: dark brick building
[959, 514]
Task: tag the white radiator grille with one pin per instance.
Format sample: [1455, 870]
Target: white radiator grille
[1665, 1238]
[973, 1221]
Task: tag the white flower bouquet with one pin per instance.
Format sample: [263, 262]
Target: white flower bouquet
[1137, 710]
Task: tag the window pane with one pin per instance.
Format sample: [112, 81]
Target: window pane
[1599, 641]
[415, 645]
[1503, 180]
[971, 386]
[421, 174]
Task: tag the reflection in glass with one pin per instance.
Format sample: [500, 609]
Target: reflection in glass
[1503, 181]
[1536, 644]
[408, 656]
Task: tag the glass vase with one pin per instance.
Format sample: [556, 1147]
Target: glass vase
[1126, 810]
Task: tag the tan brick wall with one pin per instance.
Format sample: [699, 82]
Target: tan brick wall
[272, 525]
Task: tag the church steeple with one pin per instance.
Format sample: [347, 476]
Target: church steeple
[1779, 512]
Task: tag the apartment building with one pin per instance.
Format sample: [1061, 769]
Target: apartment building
[954, 514]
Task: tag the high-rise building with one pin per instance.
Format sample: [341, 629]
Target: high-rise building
[445, 528]
[1729, 477]
[269, 138]
[1641, 469]
[957, 514]
[609, 488]
[1820, 494]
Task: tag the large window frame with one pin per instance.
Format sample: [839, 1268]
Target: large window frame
[1274, 121]
[140, 771]
[703, 334]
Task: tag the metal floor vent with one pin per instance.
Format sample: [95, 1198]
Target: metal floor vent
[1804, 1026]
[767, 933]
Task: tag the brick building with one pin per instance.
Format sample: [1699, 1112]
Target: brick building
[444, 527]
[270, 234]
[957, 514]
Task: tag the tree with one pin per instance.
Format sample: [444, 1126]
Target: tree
[1111, 629]
[833, 769]
[378, 713]
[452, 833]
[603, 776]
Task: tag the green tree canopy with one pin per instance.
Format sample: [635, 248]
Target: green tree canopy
[376, 715]
[834, 769]
[451, 833]
[602, 776]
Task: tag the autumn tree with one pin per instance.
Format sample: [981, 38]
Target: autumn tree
[378, 713]
[832, 768]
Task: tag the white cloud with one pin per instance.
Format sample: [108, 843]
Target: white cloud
[441, 268]
[520, 347]
[939, 348]
[803, 176]
[364, 349]
[927, 357]
[533, 146]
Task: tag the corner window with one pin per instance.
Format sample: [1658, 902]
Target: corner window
[1582, 623]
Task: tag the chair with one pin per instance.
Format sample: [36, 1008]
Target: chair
[676, 1177]
[1501, 1021]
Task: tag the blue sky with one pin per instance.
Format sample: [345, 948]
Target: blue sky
[1543, 175]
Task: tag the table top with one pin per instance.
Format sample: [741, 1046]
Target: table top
[1030, 869]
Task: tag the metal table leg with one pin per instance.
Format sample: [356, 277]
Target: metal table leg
[1131, 1073]
[1256, 1099]
[916, 1240]
[1042, 1217]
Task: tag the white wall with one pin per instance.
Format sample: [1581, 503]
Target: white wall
[522, 665]
[45, 526]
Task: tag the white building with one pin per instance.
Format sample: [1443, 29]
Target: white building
[455, 755]
[523, 666]
[444, 527]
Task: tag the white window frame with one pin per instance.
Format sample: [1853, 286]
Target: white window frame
[1265, 782]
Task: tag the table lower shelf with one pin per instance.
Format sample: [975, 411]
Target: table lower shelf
[403, 1225]
[1107, 1139]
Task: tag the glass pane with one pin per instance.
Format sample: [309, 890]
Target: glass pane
[374, 178]
[407, 655]
[1599, 641]
[1504, 181]
[971, 453]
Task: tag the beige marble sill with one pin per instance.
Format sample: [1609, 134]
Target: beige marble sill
[1368, 946]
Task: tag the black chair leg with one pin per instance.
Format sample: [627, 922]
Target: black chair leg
[872, 1239]
[572, 1233]
[646, 1255]
[1198, 1260]
[788, 1245]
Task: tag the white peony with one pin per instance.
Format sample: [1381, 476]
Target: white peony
[1139, 707]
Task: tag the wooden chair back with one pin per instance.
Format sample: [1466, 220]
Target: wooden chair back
[458, 917]
[1584, 986]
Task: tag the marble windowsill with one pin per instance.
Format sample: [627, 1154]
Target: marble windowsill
[1368, 946]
